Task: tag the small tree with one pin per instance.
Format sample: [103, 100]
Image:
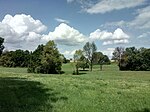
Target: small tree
[99, 58]
[77, 57]
[89, 49]
[83, 62]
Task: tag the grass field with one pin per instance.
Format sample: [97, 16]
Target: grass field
[109, 90]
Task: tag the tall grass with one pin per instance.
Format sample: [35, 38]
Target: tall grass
[109, 90]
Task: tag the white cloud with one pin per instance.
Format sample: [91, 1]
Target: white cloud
[66, 35]
[102, 35]
[116, 37]
[61, 20]
[108, 52]
[24, 32]
[68, 53]
[22, 23]
[141, 20]
[104, 6]
[21, 31]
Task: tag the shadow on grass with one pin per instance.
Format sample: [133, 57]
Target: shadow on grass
[83, 70]
[21, 95]
[143, 110]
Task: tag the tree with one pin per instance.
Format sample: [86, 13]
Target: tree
[35, 58]
[18, 58]
[6, 59]
[99, 58]
[118, 54]
[89, 49]
[46, 59]
[1, 45]
[135, 59]
[83, 62]
[78, 54]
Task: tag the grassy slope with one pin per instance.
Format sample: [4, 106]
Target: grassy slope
[109, 90]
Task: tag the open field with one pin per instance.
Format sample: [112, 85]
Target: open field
[109, 90]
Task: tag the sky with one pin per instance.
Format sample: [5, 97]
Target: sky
[24, 24]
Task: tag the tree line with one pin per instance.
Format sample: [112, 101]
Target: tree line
[132, 58]
[47, 59]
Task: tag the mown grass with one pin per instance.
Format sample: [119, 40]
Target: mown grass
[109, 90]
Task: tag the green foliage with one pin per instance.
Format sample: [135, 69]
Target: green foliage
[78, 54]
[135, 59]
[89, 49]
[117, 54]
[46, 59]
[1, 45]
[99, 58]
[18, 58]
[83, 63]
[6, 59]
[35, 59]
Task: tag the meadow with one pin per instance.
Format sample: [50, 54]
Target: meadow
[109, 90]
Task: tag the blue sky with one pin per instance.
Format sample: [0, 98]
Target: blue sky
[71, 23]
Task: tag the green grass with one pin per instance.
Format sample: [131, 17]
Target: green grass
[109, 90]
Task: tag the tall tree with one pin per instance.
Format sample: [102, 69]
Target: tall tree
[89, 49]
[118, 54]
[1, 45]
[50, 59]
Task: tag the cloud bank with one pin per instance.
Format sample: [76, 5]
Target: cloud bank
[24, 32]
[116, 37]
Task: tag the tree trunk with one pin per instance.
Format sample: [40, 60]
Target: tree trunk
[77, 71]
[101, 67]
[91, 66]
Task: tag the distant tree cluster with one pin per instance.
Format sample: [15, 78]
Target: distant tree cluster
[45, 59]
[88, 56]
[132, 58]
[18, 58]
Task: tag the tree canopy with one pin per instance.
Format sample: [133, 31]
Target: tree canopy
[89, 49]
[135, 59]
[49, 59]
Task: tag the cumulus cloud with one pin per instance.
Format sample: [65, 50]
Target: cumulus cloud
[22, 23]
[116, 37]
[21, 31]
[61, 20]
[66, 35]
[24, 32]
